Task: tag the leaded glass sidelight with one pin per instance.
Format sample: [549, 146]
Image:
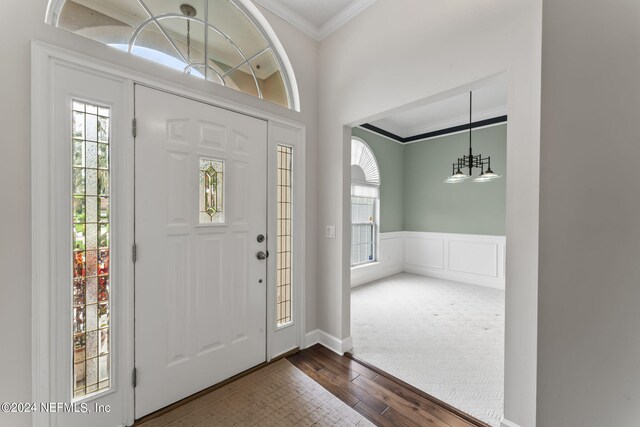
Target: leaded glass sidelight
[91, 249]
[211, 193]
[284, 243]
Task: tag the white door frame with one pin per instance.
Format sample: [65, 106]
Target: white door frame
[42, 198]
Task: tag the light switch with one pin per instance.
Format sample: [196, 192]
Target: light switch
[330, 232]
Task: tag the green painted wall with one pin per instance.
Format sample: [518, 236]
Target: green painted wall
[468, 207]
[414, 196]
[390, 158]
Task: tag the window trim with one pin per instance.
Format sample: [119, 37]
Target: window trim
[50, 221]
[281, 339]
[45, 59]
[376, 207]
[254, 15]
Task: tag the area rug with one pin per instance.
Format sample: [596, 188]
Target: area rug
[445, 338]
[277, 395]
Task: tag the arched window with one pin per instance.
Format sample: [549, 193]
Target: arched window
[224, 41]
[365, 201]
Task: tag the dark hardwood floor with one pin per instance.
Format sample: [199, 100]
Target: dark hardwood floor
[379, 397]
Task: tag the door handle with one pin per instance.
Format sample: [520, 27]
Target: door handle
[261, 255]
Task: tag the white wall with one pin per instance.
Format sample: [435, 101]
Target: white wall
[589, 292]
[467, 258]
[21, 21]
[398, 52]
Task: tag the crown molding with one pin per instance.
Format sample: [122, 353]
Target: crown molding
[313, 31]
[291, 17]
[343, 17]
[456, 121]
[480, 124]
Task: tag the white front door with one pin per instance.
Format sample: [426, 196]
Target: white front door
[200, 205]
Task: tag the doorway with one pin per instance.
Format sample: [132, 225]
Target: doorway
[200, 226]
[429, 306]
[213, 183]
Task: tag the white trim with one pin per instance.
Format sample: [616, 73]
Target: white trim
[361, 275]
[312, 30]
[293, 334]
[256, 17]
[89, 62]
[334, 344]
[312, 338]
[507, 423]
[431, 137]
[380, 135]
[281, 55]
[455, 133]
[454, 277]
[458, 120]
[291, 17]
[435, 258]
[375, 160]
[390, 260]
[43, 349]
[392, 235]
[343, 17]
[460, 267]
[48, 225]
[40, 250]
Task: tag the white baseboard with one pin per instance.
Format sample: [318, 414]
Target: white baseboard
[371, 272]
[466, 258]
[472, 279]
[390, 260]
[506, 423]
[334, 344]
[347, 344]
[312, 338]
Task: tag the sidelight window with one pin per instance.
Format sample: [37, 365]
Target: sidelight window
[284, 243]
[91, 287]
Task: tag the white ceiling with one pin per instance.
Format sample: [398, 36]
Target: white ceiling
[317, 18]
[488, 102]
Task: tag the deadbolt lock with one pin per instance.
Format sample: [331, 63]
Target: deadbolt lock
[260, 238]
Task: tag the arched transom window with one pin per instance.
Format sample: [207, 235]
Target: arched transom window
[223, 41]
[365, 201]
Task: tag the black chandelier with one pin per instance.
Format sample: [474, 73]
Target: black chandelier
[472, 162]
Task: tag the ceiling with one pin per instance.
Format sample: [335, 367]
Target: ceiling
[488, 102]
[317, 18]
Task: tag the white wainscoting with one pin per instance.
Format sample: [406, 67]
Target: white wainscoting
[390, 260]
[467, 258]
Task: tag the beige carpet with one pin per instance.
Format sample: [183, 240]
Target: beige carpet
[445, 338]
[277, 395]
